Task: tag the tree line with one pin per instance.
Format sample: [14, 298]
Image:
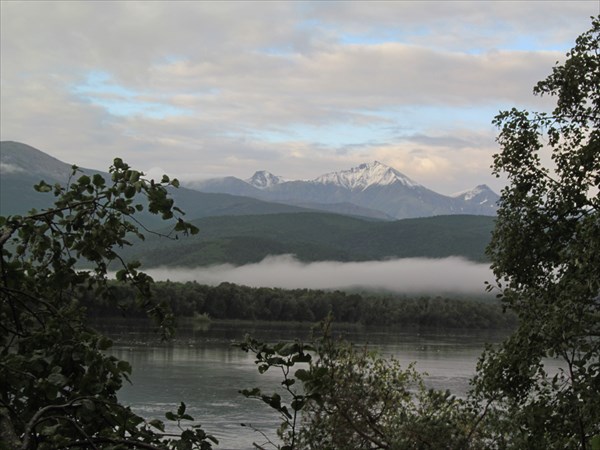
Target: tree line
[236, 302]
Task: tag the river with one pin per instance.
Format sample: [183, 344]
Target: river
[202, 368]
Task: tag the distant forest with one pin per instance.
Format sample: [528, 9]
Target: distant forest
[316, 237]
[234, 302]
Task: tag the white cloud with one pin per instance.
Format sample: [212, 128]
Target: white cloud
[411, 275]
[200, 88]
[9, 168]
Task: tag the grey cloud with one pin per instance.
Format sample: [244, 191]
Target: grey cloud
[456, 24]
[217, 45]
[215, 59]
[448, 141]
[403, 275]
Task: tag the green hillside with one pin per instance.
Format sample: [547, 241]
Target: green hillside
[240, 230]
[24, 166]
[318, 237]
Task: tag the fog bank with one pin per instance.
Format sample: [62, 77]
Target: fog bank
[407, 275]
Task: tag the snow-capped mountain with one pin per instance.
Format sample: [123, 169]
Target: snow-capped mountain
[374, 189]
[263, 179]
[481, 197]
[478, 192]
[361, 177]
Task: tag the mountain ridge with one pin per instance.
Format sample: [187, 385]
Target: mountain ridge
[263, 179]
[22, 166]
[372, 190]
[365, 175]
[241, 230]
[318, 237]
[375, 186]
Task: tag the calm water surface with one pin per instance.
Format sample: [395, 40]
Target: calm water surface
[202, 368]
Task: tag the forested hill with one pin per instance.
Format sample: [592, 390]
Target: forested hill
[318, 237]
[240, 230]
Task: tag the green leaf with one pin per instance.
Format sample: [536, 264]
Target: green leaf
[98, 180]
[288, 382]
[104, 343]
[130, 191]
[42, 187]
[298, 403]
[302, 374]
[124, 366]
[121, 275]
[134, 176]
[57, 379]
[83, 180]
[158, 424]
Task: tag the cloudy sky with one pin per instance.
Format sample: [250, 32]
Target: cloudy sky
[203, 89]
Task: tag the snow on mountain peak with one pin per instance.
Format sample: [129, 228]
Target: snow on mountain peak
[263, 179]
[482, 192]
[365, 175]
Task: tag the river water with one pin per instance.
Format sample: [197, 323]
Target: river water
[202, 368]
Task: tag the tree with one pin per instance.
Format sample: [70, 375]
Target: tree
[59, 387]
[545, 254]
[340, 397]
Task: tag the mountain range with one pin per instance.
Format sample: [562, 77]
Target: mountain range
[372, 189]
[240, 229]
[22, 166]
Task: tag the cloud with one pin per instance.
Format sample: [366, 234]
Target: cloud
[455, 25]
[10, 168]
[202, 88]
[411, 275]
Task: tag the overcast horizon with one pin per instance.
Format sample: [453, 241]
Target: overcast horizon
[210, 89]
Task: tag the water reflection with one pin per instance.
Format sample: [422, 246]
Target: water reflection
[203, 369]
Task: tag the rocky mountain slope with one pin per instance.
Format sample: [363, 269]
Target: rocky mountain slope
[379, 190]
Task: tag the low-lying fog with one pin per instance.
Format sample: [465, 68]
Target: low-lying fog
[399, 275]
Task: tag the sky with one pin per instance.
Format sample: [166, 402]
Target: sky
[208, 89]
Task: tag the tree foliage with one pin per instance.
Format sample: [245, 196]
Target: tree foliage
[338, 396]
[546, 257]
[59, 387]
[231, 301]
